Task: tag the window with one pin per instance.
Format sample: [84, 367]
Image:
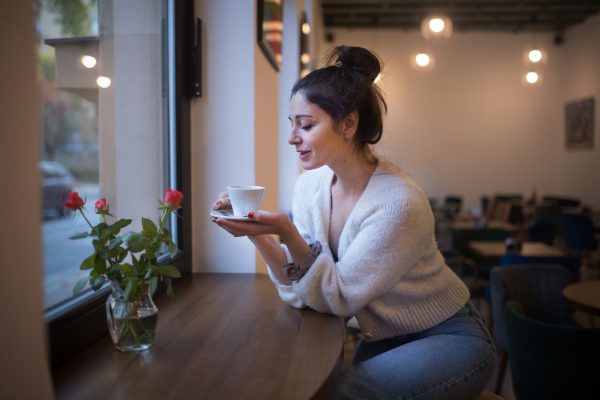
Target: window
[113, 125]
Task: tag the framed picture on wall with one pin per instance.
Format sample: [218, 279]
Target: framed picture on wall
[269, 27]
[579, 118]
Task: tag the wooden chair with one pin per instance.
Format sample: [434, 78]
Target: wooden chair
[489, 396]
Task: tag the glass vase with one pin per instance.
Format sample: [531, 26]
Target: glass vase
[131, 323]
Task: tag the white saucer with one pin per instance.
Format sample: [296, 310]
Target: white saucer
[228, 214]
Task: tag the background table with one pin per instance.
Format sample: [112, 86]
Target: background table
[584, 296]
[489, 225]
[530, 249]
[227, 336]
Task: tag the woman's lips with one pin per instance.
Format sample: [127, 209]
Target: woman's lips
[304, 154]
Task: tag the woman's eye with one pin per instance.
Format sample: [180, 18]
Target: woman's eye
[306, 127]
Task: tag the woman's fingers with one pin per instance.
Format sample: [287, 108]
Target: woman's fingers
[222, 203]
[222, 195]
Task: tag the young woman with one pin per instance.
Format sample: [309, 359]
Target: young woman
[362, 243]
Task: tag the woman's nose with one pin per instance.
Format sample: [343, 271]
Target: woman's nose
[294, 139]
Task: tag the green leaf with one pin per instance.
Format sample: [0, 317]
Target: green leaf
[88, 263]
[172, 249]
[113, 253]
[148, 273]
[100, 265]
[115, 243]
[153, 285]
[98, 282]
[167, 234]
[148, 234]
[97, 245]
[123, 254]
[136, 263]
[169, 288]
[103, 253]
[148, 225]
[115, 228]
[80, 285]
[80, 235]
[169, 270]
[127, 269]
[101, 230]
[135, 247]
[151, 249]
[131, 237]
[128, 289]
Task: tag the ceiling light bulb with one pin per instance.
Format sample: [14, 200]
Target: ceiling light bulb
[532, 77]
[422, 59]
[535, 55]
[436, 25]
[88, 61]
[305, 58]
[377, 79]
[305, 28]
[103, 81]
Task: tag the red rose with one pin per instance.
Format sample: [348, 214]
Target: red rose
[75, 202]
[101, 204]
[173, 198]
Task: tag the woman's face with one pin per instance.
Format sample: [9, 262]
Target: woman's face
[313, 134]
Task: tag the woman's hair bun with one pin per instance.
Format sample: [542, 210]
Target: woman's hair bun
[358, 59]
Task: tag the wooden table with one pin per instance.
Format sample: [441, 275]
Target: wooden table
[584, 296]
[489, 225]
[494, 250]
[227, 336]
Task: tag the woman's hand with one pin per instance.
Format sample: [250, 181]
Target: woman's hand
[222, 202]
[260, 224]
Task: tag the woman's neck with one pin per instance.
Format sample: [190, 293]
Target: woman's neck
[352, 174]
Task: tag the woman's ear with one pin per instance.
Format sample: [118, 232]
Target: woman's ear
[350, 124]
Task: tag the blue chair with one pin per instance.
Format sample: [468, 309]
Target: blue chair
[539, 288]
[578, 231]
[551, 362]
[542, 230]
[572, 262]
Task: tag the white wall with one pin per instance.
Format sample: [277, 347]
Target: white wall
[581, 78]
[289, 165]
[234, 130]
[470, 126]
[24, 372]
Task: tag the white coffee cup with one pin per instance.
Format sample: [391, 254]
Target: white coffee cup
[245, 199]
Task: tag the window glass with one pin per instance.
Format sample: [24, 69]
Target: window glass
[103, 126]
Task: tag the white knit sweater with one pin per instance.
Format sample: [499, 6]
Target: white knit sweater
[390, 273]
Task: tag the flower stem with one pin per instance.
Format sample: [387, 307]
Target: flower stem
[163, 220]
[81, 210]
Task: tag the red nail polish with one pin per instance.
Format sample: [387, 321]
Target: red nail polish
[250, 215]
[218, 202]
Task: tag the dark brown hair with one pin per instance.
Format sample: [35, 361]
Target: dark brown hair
[345, 84]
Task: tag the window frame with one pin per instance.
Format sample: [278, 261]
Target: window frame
[76, 325]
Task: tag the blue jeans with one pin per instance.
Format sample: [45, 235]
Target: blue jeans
[452, 360]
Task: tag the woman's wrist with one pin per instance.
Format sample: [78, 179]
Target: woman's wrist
[288, 231]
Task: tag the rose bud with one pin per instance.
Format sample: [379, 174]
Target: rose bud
[173, 199]
[75, 202]
[101, 204]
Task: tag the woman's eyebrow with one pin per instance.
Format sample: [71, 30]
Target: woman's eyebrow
[300, 115]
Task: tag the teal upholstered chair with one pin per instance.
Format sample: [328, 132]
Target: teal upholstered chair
[549, 361]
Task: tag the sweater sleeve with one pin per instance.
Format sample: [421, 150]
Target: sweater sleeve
[389, 243]
[286, 292]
